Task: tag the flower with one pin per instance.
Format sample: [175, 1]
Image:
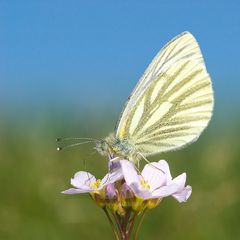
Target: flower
[155, 181]
[85, 182]
[124, 194]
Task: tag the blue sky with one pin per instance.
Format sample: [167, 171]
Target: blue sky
[91, 53]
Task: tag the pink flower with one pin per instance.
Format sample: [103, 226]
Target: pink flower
[85, 182]
[155, 181]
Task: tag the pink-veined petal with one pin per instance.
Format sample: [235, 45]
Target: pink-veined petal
[154, 176]
[129, 172]
[183, 195]
[140, 191]
[114, 164]
[112, 177]
[76, 191]
[180, 180]
[144, 194]
[165, 191]
[163, 165]
[82, 179]
[133, 180]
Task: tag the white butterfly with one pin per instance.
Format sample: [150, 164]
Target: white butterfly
[168, 109]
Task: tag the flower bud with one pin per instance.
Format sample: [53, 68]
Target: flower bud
[152, 203]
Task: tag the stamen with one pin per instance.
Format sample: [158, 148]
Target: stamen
[95, 185]
[144, 184]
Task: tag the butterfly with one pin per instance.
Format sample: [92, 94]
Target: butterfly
[169, 108]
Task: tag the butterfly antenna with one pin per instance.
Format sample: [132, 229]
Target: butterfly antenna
[73, 145]
[75, 138]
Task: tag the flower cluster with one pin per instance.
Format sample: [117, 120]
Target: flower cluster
[125, 193]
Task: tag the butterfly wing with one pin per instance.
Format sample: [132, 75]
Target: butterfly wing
[173, 101]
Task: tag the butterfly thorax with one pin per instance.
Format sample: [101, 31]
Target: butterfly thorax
[113, 147]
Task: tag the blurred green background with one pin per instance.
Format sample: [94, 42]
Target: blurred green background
[66, 68]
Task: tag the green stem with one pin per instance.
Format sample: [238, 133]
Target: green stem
[118, 221]
[129, 231]
[126, 221]
[140, 224]
[111, 223]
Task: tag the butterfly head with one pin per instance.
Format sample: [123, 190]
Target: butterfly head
[113, 147]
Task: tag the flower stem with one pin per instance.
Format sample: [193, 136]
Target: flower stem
[118, 222]
[140, 224]
[111, 223]
[132, 221]
[126, 221]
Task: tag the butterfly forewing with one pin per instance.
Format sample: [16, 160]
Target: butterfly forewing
[184, 46]
[173, 101]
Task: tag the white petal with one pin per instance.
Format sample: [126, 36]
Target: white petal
[184, 194]
[139, 191]
[129, 172]
[76, 191]
[112, 177]
[154, 176]
[163, 165]
[114, 164]
[133, 180]
[165, 191]
[82, 179]
[145, 194]
[180, 180]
